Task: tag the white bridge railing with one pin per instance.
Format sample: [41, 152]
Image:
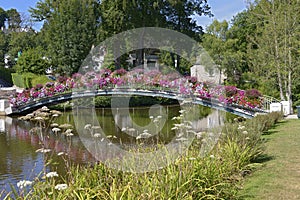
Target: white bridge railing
[268, 100]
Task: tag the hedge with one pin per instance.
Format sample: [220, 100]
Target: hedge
[28, 80]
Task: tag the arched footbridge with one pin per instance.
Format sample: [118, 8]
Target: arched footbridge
[236, 109]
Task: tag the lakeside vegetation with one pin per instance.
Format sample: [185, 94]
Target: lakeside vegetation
[194, 175]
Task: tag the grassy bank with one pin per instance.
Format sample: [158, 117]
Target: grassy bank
[215, 175]
[280, 175]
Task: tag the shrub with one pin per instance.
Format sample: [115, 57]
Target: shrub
[28, 80]
[39, 79]
[32, 61]
[18, 80]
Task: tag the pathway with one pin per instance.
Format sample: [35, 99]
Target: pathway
[279, 178]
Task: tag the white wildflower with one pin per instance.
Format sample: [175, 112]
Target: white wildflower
[54, 125]
[131, 129]
[22, 184]
[55, 130]
[97, 135]
[174, 118]
[241, 127]
[174, 128]
[39, 119]
[182, 139]
[61, 153]
[61, 186]
[69, 134]
[51, 174]
[151, 117]
[191, 131]
[44, 108]
[179, 125]
[155, 120]
[42, 150]
[145, 134]
[199, 135]
[245, 132]
[188, 127]
[212, 156]
[96, 127]
[88, 126]
[123, 129]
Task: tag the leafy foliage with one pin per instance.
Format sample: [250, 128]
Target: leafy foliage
[32, 61]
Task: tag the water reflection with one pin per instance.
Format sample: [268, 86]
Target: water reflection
[19, 141]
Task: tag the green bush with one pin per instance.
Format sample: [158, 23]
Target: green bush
[39, 79]
[28, 80]
[32, 61]
[18, 80]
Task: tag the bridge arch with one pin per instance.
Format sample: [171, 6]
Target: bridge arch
[60, 98]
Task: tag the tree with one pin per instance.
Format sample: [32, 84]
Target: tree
[237, 63]
[70, 31]
[43, 10]
[3, 17]
[20, 41]
[274, 47]
[13, 18]
[3, 48]
[180, 16]
[214, 42]
[122, 15]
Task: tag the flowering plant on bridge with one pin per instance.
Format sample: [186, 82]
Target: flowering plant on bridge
[139, 79]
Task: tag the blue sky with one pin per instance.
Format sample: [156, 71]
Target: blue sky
[222, 9]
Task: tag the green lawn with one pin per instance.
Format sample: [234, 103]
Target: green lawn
[279, 178]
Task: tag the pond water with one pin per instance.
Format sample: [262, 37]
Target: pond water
[20, 141]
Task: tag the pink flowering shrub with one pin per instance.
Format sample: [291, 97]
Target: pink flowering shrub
[138, 79]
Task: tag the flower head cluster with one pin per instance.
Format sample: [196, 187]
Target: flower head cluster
[24, 183]
[51, 174]
[61, 186]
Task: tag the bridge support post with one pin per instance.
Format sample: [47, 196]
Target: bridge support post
[5, 108]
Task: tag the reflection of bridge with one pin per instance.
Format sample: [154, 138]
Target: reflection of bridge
[213, 103]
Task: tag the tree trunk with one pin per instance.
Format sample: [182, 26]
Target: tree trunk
[277, 61]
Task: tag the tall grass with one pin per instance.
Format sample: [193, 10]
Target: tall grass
[214, 176]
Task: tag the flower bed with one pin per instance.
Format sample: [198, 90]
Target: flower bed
[138, 78]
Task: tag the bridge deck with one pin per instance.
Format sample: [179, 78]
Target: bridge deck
[213, 103]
